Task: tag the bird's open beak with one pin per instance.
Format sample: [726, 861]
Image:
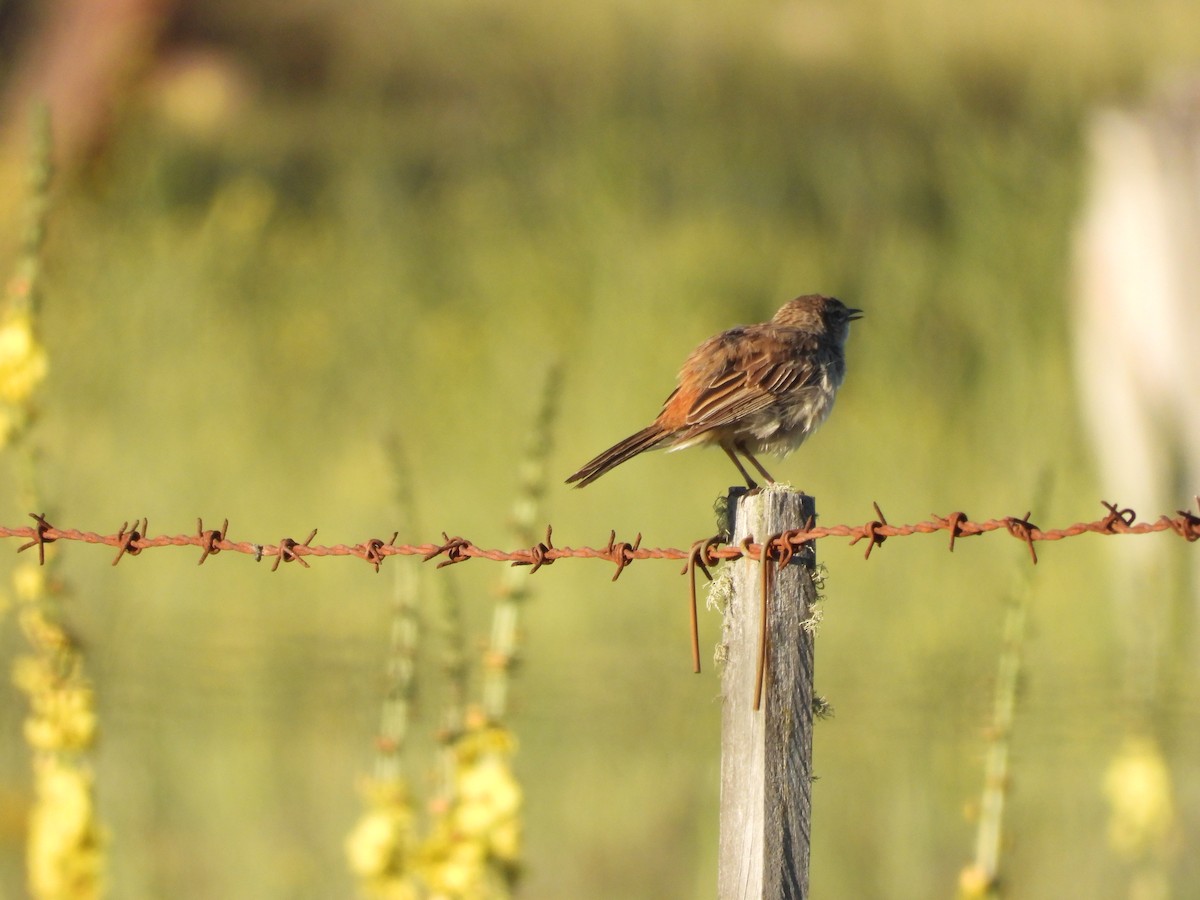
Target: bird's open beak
[852, 314]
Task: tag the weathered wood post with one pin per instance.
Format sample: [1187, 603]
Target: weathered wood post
[766, 755]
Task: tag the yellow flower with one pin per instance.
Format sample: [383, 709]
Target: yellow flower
[506, 841]
[29, 581]
[62, 718]
[371, 847]
[488, 795]
[65, 845]
[43, 632]
[1138, 786]
[22, 359]
[380, 844]
[973, 882]
[475, 842]
[456, 867]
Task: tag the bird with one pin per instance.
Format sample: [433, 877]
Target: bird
[750, 389]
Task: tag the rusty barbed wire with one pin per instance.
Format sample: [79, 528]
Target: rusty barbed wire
[131, 539]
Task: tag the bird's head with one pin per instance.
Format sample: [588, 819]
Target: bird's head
[818, 314]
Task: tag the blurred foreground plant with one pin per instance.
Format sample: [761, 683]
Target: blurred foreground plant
[65, 851]
[1142, 826]
[472, 849]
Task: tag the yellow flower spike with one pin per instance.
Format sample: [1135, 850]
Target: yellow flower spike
[1138, 786]
[31, 675]
[484, 825]
[43, 632]
[65, 847]
[371, 846]
[380, 846]
[22, 360]
[29, 581]
[462, 873]
[506, 841]
[488, 794]
[63, 718]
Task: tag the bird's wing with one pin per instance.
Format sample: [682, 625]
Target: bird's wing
[738, 373]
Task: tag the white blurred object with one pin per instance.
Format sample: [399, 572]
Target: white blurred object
[1137, 349]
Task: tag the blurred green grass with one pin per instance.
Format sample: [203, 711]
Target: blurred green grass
[237, 319]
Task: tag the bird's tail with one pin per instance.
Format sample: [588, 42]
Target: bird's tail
[646, 439]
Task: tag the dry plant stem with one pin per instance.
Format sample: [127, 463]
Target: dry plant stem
[23, 289]
[396, 710]
[984, 873]
[989, 834]
[527, 511]
[454, 659]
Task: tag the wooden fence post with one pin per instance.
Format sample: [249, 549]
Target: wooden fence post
[766, 755]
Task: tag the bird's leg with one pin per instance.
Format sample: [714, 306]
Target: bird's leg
[741, 446]
[750, 482]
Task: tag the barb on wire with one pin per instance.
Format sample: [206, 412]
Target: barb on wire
[287, 551]
[953, 523]
[127, 540]
[622, 553]
[133, 538]
[875, 532]
[39, 537]
[210, 539]
[539, 554]
[452, 549]
[1022, 529]
[372, 549]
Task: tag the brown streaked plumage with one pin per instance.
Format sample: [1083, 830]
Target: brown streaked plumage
[751, 389]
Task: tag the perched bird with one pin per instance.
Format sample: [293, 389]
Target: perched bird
[751, 389]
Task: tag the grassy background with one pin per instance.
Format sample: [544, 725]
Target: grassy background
[409, 214]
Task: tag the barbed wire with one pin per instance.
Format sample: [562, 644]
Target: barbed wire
[133, 538]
